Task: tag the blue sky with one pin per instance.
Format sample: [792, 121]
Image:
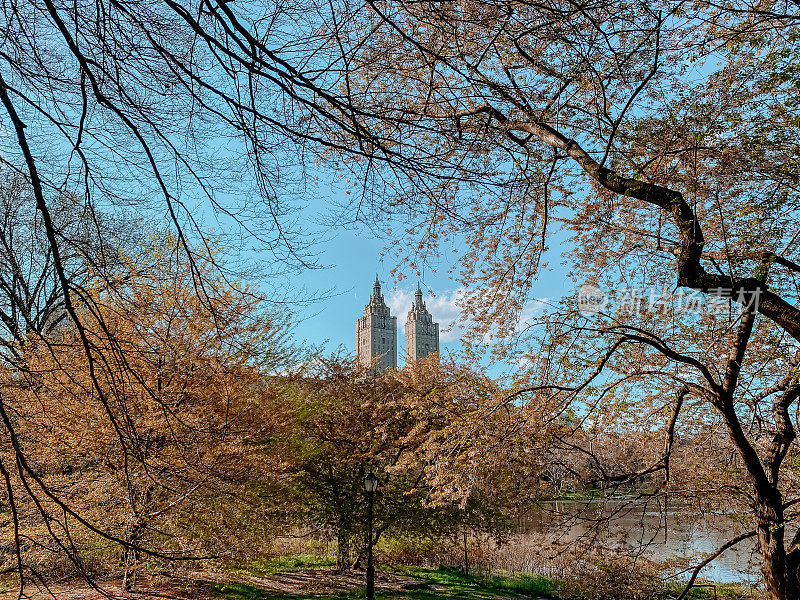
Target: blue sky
[352, 257]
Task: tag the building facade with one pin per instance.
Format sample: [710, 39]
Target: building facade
[422, 334]
[376, 333]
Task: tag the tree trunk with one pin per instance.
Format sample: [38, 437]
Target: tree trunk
[131, 556]
[775, 563]
[130, 561]
[793, 566]
[343, 549]
[793, 573]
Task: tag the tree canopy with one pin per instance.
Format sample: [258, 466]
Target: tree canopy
[660, 137]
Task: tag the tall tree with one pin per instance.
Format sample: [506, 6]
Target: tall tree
[661, 135]
[172, 109]
[335, 424]
[135, 446]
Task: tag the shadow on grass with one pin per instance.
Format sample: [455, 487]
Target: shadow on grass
[241, 591]
[450, 584]
[446, 583]
[443, 583]
[523, 584]
[286, 564]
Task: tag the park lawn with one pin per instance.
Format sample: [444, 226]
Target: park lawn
[450, 583]
[240, 591]
[441, 583]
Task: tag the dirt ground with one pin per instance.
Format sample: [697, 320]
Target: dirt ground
[80, 590]
[319, 581]
[299, 582]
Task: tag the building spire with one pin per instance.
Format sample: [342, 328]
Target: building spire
[376, 334]
[422, 334]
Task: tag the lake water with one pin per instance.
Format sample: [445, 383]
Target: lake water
[661, 534]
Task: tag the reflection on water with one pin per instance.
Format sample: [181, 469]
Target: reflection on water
[662, 533]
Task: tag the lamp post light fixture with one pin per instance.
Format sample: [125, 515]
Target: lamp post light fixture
[370, 485]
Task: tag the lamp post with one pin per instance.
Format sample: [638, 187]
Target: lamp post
[370, 485]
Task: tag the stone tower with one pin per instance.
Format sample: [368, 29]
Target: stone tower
[422, 334]
[376, 333]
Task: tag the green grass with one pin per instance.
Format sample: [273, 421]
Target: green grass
[247, 592]
[527, 584]
[285, 564]
[450, 584]
[456, 587]
[241, 591]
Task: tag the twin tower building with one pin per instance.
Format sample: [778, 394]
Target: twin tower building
[376, 332]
